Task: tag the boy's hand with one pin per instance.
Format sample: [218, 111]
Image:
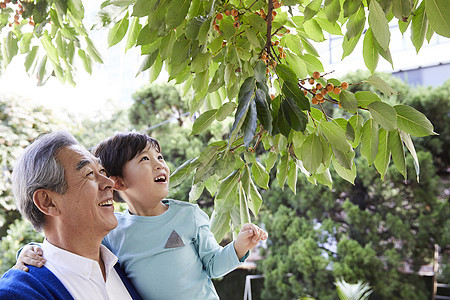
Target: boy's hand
[248, 238]
[30, 255]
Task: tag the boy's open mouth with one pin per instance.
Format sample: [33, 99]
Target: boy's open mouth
[161, 178]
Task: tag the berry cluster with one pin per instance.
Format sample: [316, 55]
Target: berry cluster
[19, 10]
[228, 12]
[319, 91]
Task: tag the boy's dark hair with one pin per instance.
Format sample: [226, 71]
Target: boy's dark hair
[116, 151]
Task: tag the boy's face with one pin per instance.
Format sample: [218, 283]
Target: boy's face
[146, 176]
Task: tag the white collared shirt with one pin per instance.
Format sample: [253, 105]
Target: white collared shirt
[82, 276]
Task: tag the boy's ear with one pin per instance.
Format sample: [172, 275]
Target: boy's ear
[44, 201]
[119, 185]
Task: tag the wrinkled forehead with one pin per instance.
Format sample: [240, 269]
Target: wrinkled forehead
[75, 157]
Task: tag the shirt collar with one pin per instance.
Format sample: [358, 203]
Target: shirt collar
[75, 263]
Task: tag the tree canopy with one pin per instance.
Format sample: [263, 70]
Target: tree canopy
[254, 62]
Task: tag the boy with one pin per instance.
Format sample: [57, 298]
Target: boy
[164, 246]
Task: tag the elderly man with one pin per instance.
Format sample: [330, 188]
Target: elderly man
[63, 190]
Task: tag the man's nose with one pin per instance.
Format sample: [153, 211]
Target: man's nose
[105, 182]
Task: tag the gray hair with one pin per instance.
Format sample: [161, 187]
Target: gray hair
[37, 168]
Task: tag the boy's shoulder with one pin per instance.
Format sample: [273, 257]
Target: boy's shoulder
[180, 204]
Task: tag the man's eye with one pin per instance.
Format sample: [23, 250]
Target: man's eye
[103, 172]
[90, 173]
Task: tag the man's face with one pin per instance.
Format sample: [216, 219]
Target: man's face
[87, 206]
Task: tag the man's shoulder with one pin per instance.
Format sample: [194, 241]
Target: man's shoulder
[37, 283]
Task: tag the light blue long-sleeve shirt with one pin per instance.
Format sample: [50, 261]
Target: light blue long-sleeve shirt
[173, 255]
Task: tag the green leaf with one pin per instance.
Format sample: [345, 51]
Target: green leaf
[348, 45]
[249, 125]
[203, 121]
[345, 159]
[309, 48]
[243, 207]
[260, 71]
[379, 24]
[133, 33]
[25, 42]
[356, 122]
[292, 176]
[311, 9]
[351, 7]
[180, 50]
[419, 26]
[406, 138]
[291, 90]
[148, 61]
[348, 101]
[384, 114]
[181, 173]
[398, 152]
[262, 108]
[355, 23]
[383, 156]
[312, 63]
[52, 53]
[332, 10]
[297, 65]
[347, 174]
[30, 58]
[117, 33]
[87, 62]
[369, 140]
[193, 28]
[255, 199]
[178, 10]
[76, 8]
[438, 12]
[220, 224]
[93, 52]
[401, 8]
[260, 175]
[413, 122]
[370, 52]
[227, 185]
[286, 73]
[143, 7]
[326, 25]
[241, 113]
[314, 31]
[225, 110]
[270, 161]
[311, 153]
[381, 85]
[201, 62]
[282, 170]
[294, 116]
[364, 98]
[253, 38]
[335, 135]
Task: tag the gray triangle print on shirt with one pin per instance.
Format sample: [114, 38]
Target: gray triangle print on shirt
[174, 241]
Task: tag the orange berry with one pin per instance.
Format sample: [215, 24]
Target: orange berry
[302, 82]
[273, 43]
[234, 12]
[311, 81]
[277, 43]
[263, 15]
[344, 85]
[340, 106]
[329, 87]
[305, 92]
[319, 96]
[224, 44]
[318, 86]
[324, 92]
[228, 12]
[276, 5]
[337, 90]
[216, 27]
[236, 18]
[219, 16]
[322, 101]
[267, 70]
[288, 31]
[274, 13]
[316, 75]
[314, 101]
[261, 11]
[280, 49]
[272, 96]
[314, 90]
[2, 5]
[236, 24]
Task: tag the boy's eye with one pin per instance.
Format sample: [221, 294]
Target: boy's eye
[160, 157]
[144, 158]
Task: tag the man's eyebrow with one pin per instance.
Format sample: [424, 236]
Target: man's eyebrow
[82, 163]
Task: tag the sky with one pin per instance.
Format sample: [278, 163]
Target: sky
[112, 84]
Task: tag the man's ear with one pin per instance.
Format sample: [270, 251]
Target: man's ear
[44, 201]
[119, 185]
